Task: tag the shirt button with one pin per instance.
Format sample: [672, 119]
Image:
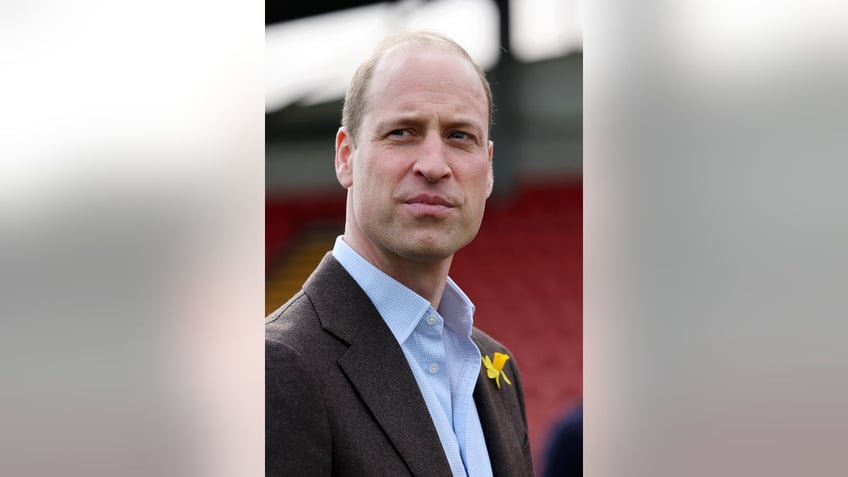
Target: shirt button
[434, 368]
[431, 320]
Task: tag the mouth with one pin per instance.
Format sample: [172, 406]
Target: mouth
[429, 199]
[429, 205]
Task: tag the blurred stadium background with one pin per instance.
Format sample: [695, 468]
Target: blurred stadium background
[524, 270]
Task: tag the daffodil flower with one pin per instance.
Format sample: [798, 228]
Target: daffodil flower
[494, 370]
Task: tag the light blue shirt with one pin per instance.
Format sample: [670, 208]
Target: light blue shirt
[438, 347]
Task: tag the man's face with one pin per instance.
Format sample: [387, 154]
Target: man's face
[421, 170]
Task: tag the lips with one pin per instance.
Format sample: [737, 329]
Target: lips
[429, 205]
[429, 199]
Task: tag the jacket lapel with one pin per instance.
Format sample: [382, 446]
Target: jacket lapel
[377, 368]
[387, 386]
[499, 426]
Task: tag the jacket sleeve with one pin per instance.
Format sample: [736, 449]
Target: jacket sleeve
[297, 432]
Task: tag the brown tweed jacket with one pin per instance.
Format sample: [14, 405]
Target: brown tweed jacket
[341, 400]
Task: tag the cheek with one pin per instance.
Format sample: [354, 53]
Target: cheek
[369, 190]
[377, 177]
[478, 180]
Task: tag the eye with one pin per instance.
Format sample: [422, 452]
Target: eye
[400, 132]
[459, 135]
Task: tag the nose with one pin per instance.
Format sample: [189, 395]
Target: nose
[432, 161]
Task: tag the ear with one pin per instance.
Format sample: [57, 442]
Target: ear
[344, 156]
[491, 179]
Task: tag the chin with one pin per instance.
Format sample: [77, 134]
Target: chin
[422, 250]
[420, 253]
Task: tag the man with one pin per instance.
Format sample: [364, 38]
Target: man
[374, 367]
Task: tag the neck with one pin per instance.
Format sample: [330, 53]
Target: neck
[425, 277]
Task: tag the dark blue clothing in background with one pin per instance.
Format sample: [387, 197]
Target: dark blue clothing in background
[564, 456]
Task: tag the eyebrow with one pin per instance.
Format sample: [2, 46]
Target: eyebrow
[415, 119]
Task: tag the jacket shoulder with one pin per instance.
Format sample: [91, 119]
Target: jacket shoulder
[293, 323]
[294, 305]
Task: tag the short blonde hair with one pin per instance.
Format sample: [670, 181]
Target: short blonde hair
[355, 102]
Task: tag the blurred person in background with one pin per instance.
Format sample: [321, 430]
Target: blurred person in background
[374, 367]
[564, 455]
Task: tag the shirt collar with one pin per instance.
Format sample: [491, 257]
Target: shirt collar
[457, 309]
[400, 307]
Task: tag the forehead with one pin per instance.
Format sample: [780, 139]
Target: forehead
[410, 77]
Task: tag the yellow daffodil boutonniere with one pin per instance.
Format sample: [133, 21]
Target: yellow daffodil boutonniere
[494, 368]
